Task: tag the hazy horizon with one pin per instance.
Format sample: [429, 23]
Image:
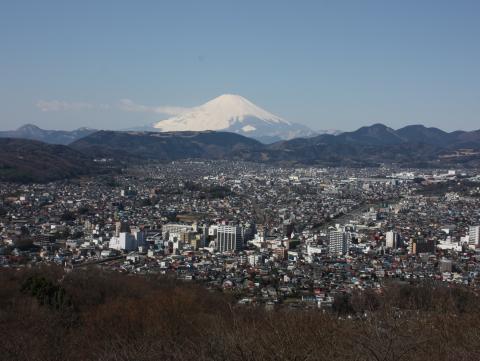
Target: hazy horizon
[324, 64]
[318, 130]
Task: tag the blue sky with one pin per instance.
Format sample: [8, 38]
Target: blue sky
[327, 64]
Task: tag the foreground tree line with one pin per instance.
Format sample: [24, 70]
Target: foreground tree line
[46, 314]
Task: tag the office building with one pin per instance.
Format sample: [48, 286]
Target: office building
[474, 235]
[124, 242]
[423, 246]
[229, 238]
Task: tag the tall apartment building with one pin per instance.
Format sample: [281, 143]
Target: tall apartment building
[229, 238]
[338, 242]
[474, 235]
[125, 241]
[391, 239]
[128, 241]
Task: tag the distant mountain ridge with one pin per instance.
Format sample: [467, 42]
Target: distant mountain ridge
[367, 146]
[377, 144]
[166, 146]
[371, 146]
[26, 160]
[414, 134]
[30, 131]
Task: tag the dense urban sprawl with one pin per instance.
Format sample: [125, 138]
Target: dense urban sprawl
[292, 237]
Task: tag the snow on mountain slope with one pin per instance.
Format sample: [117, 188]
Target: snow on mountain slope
[234, 113]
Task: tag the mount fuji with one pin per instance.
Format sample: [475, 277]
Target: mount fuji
[234, 113]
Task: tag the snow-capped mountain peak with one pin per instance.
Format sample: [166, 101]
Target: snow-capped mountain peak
[233, 113]
[218, 114]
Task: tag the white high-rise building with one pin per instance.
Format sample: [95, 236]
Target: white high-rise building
[229, 238]
[391, 239]
[474, 235]
[338, 242]
[125, 241]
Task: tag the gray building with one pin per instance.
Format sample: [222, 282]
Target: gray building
[338, 242]
[229, 238]
[391, 239]
[474, 234]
